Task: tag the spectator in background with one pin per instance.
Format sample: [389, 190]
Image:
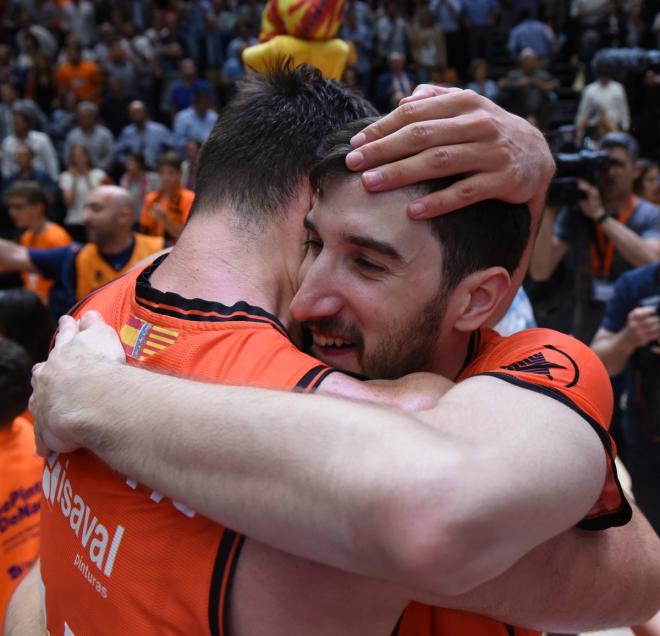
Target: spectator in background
[76, 182]
[139, 182]
[120, 64]
[107, 35]
[78, 76]
[604, 95]
[8, 99]
[480, 83]
[78, 19]
[532, 34]
[143, 136]
[211, 50]
[196, 121]
[427, 44]
[448, 15]
[189, 165]
[391, 32]
[44, 156]
[114, 106]
[610, 232]
[629, 340]
[97, 139]
[527, 90]
[112, 250]
[647, 183]
[27, 172]
[27, 204]
[393, 85]
[183, 91]
[40, 84]
[479, 18]
[166, 210]
[361, 36]
[26, 320]
[20, 471]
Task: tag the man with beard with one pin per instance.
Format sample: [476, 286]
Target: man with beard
[429, 510]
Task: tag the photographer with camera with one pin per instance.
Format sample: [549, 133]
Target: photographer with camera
[608, 229]
[629, 338]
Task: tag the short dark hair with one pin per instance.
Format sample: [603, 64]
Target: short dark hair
[263, 144]
[170, 158]
[485, 234]
[15, 374]
[31, 191]
[26, 320]
[620, 139]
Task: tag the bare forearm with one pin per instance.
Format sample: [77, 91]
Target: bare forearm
[631, 246]
[543, 257]
[15, 258]
[582, 581]
[245, 445]
[24, 614]
[614, 350]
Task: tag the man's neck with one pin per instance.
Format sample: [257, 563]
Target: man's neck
[116, 246]
[39, 226]
[451, 354]
[217, 262]
[616, 204]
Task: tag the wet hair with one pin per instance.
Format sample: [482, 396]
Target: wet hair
[485, 234]
[31, 191]
[263, 145]
[15, 374]
[26, 320]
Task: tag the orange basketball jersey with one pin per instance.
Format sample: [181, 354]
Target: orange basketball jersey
[118, 558]
[562, 368]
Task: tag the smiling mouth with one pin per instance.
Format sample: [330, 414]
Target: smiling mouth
[331, 342]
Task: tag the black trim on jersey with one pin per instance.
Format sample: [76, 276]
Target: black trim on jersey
[397, 627]
[315, 372]
[224, 550]
[510, 629]
[230, 582]
[614, 519]
[473, 348]
[144, 291]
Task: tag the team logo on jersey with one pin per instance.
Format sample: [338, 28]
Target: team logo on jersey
[141, 339]
[538, 364]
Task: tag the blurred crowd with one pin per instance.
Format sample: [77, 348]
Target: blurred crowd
[100, 94]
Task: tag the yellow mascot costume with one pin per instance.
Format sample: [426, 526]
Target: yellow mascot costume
[303, 30]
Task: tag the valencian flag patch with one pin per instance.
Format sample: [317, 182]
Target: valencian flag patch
[141, 339]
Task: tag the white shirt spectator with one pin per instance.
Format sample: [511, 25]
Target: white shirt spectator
[610, 97]
[99, 144]
[78, 18]
[42, 149]
[80, 187]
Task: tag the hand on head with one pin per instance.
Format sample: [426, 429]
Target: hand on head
[437, 132]
[57, 403]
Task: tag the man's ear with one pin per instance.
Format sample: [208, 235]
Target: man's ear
[479, 295]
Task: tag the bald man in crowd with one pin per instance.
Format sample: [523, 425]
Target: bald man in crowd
[112, 250]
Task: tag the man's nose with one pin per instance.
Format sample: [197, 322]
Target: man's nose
[317, 297]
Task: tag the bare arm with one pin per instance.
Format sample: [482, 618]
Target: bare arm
[548, 249]
[635, 249]
[24, 614]
[614, 349]
[350, 489]
[15, 258]
[578, 581]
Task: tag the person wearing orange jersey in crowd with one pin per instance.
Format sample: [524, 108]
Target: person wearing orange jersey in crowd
[165, 210]
[27, 203]
[20, 472]
[432, 510]
[112, 250]
[76, 75]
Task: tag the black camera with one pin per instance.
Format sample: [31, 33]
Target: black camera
[622, 64]
[589, 165]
